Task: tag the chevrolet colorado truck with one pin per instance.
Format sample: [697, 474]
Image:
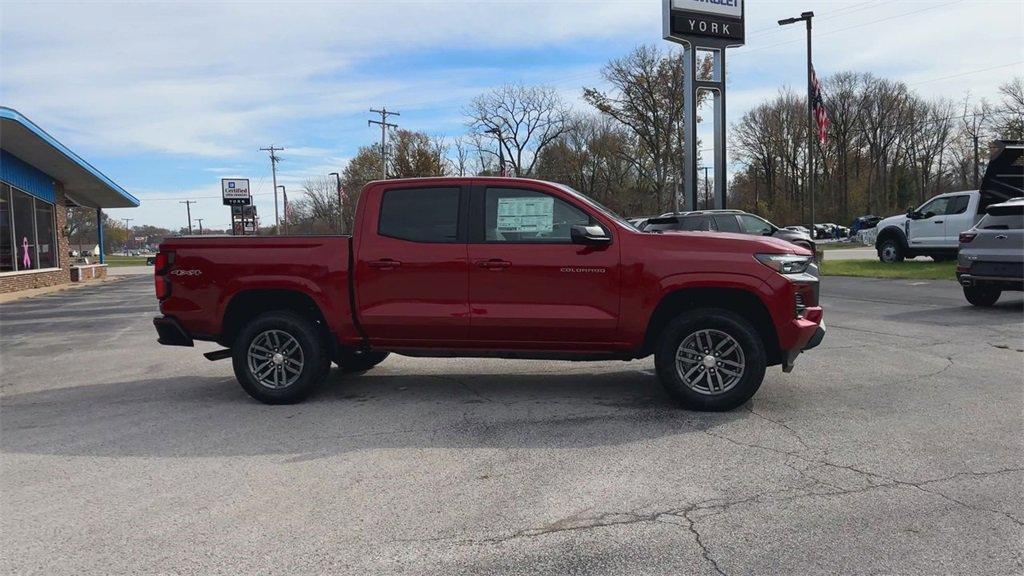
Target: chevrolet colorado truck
[492, 267]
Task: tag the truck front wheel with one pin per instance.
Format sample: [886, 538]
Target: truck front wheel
[710, 359]
[891, 251]
[279, 358]
[353, 361]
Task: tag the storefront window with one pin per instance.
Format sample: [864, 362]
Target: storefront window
[45, 242]
[27, 232]
[6, 235]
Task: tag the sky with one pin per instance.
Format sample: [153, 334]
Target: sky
[168, 98]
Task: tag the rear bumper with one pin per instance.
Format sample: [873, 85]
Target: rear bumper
[170, 333]
[1002, 282]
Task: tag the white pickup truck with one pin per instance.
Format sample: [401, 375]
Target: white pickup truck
[933, 229]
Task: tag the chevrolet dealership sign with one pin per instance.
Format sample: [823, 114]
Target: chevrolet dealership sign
[235, 191]
[712, 23]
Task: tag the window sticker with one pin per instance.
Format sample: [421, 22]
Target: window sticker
[529, 214]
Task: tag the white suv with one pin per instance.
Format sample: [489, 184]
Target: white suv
[931, 230]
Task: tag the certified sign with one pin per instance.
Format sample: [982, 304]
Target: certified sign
[705, 23]
[732, 8]
[235, 191]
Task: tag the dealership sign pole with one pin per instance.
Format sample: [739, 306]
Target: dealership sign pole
[708, 25]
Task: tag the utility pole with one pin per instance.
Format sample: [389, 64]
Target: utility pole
[341, 224]
[501, 148]
[127, 235]
[384, 125]
[807, 17]
[188, 210]
[200, 220]
[273, 169]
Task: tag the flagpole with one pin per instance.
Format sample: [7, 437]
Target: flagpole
[808, 16]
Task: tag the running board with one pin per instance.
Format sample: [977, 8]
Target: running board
[218, 354]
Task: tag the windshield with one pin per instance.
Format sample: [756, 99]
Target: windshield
[600, 207]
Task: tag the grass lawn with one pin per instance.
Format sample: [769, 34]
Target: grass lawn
[113, 260]
[909, 270]
[841, 245]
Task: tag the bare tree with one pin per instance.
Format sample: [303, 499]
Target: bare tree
[521, 119]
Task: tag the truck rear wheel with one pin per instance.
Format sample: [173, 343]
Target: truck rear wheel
[710, 359]
[279, 358]
[982, 295]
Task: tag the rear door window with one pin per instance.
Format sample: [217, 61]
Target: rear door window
[420, 215]
[727, 223]
[958, 204]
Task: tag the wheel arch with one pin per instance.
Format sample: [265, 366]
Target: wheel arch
[247, 304]
[741, 301]
[891, 232]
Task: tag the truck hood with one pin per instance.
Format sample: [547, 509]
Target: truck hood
[896, 221]
[731, 242]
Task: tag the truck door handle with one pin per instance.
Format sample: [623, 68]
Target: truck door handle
[1001, 237]
[936, 221]
[384, 264]
[493, 264]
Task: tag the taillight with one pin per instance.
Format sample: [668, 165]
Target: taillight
[162, 262]
[162, 285]
[966, 237]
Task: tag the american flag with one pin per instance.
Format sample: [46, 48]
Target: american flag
[819, 109]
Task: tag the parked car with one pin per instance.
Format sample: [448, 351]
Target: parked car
[864, 223]
[991, 256]
[736, 221]
[493, 267]
[800, 229]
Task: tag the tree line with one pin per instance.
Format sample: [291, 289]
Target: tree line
[887, 146]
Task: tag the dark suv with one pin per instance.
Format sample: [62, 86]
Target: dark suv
[736, 221]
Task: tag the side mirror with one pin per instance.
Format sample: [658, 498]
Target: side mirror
[592, 235]
[913, 214]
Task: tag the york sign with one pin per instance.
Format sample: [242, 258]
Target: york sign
[704, 22]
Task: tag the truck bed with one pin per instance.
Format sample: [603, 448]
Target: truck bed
[212, 272]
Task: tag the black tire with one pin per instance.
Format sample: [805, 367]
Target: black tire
[722, 321]
[314, 357]
[982, 296]
[352, 361]
[891, 251]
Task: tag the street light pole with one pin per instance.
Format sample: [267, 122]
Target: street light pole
[501, 148]
[337, 180]
[707, 193]
[807, 17]
[284, 222]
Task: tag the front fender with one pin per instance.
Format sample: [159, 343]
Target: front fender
[889, 232]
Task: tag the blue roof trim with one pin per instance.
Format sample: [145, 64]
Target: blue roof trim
[26, 177]
[12, 114]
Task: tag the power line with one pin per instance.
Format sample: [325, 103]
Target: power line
[968, 73]
[384, 125]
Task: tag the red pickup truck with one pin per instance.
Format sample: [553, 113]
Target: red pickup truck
[498, 267]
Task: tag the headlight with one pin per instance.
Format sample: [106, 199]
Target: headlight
[785, 263]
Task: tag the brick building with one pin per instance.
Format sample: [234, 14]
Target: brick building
[39, 179]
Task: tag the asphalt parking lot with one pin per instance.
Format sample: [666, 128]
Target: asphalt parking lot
[894, 448]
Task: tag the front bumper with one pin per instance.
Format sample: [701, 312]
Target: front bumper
[170, 333]
[811, 333]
